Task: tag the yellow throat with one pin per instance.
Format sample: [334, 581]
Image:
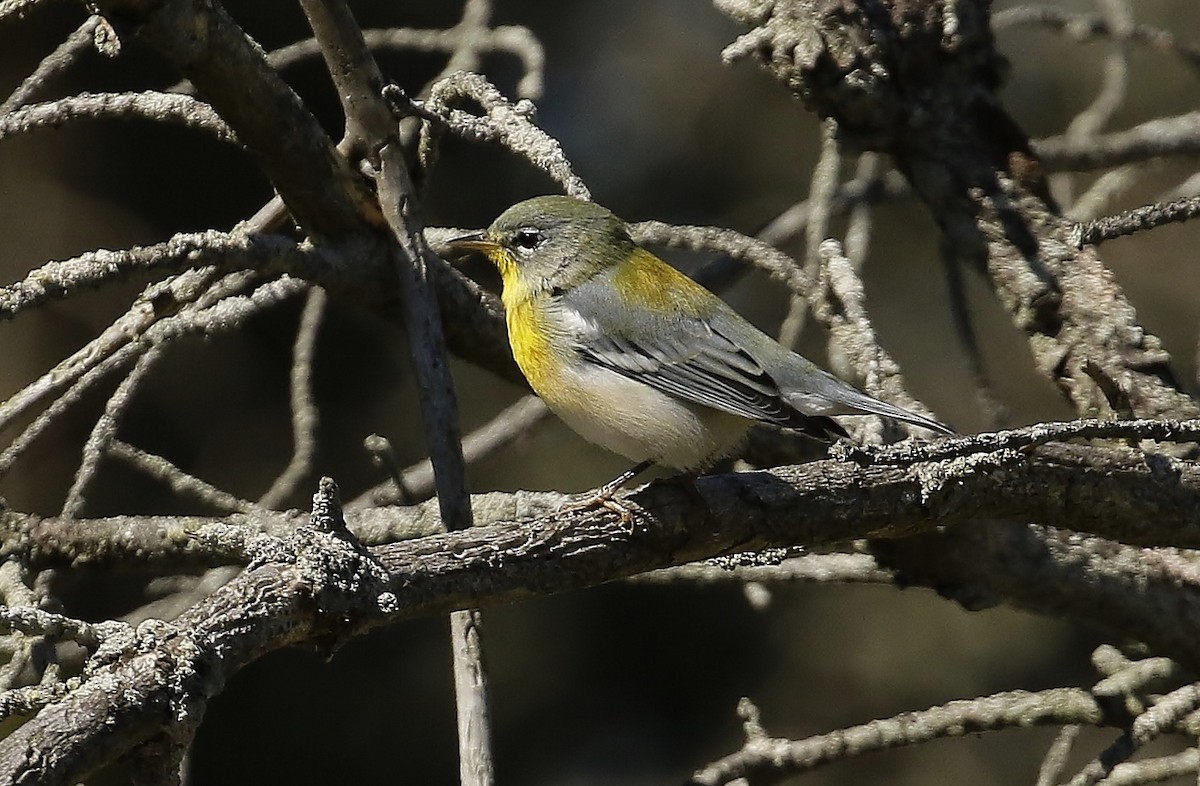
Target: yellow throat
[529, 329]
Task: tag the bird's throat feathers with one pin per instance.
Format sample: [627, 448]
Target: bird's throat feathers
[524, 305]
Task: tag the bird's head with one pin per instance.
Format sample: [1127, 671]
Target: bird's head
[551, 242]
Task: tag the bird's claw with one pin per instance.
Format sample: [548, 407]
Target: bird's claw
[602, 498]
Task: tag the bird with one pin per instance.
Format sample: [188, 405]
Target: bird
[637, 357]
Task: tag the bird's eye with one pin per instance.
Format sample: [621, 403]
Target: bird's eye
[527, 238]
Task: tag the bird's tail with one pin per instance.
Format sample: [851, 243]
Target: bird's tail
[825, 394]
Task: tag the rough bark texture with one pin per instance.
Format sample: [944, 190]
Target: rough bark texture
[918, 80]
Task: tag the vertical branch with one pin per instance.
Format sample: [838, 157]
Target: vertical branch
[472, 28]
[1055, 760]
[822, 190]
[440, 414]
[858, 227]
[359, 83]
[838, 303]
[1108, 100]
[305, 415]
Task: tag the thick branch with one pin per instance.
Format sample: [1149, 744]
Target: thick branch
[314, 588]
[1118, 493]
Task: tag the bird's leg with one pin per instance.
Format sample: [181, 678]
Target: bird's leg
[614, 485]
[603, 496]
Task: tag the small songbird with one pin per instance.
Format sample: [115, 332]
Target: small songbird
[637, 357]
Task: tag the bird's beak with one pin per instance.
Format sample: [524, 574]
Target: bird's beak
[476, 241]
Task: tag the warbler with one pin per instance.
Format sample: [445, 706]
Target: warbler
[637, 357]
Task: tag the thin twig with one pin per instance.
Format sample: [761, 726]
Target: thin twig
[180, 482]
[305, 415]
[1136, 220]
[148, 105]
[267, 254]
[1146, 727]
[858, 227]
[843, 312]
[1055, 760]
[742, 248]
[472, 29]
[822, 189]
[1168, 136]
[1135, 677]
[761, 250]
[508, 39]
[417, 481]
[225, 314]
[1111, 94]
[1156, 770]
[192, 289]
[1086, 27]
[1092, 118]
[770, 760]
[1104, 190]
[504, 123]
[57, 61]
[105, 430]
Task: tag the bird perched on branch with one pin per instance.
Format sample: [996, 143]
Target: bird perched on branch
[637, 357]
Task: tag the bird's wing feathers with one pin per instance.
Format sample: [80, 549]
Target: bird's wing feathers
[682, 355]
[695, 348]
[704, 368]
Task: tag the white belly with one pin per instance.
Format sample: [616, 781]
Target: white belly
[641, 423]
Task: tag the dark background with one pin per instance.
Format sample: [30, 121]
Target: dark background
[627, 684]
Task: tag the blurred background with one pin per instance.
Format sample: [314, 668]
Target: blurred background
[626, 684]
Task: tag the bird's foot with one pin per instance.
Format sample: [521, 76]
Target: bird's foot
[605, 496]
[600, 499]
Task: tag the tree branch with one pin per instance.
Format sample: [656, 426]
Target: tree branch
[311, 588]
[879, 72]
[764, 760]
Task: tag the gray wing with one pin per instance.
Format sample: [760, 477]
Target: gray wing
[694, 364]
[693, 360]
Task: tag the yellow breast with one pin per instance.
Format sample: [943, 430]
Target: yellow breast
[530, 336]
[529, 329]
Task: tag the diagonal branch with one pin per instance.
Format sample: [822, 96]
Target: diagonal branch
[324, 194]
[910, 81]
[763, 760]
